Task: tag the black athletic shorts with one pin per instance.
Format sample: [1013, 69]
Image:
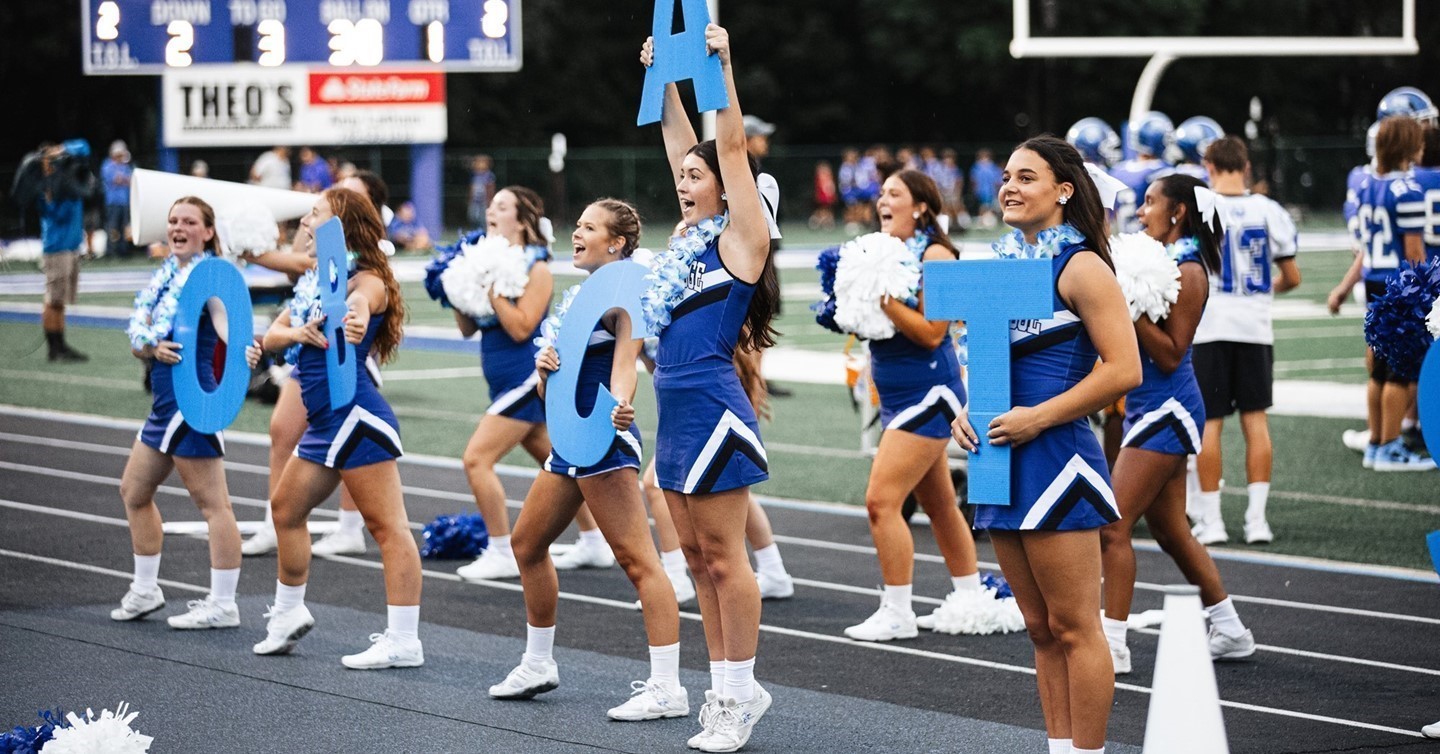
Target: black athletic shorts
[1234, 376]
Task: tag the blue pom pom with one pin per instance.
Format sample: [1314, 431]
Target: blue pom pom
[827, 263]
[998, 583]
[451, 537]
[1395, 322]
[23, 740]
[444, 255]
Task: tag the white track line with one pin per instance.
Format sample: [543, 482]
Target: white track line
[777, 630]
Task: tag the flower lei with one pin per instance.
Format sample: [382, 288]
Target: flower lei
[156, 305]
[917, 244]
[672, 267]
[1185, 250]
[1048, 243]
[550, 326]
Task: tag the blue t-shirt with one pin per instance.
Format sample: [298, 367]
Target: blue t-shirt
[985, 181]
[116, 176]
[62, 225]
[316, 175]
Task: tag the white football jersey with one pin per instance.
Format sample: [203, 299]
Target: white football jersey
[1258, 233]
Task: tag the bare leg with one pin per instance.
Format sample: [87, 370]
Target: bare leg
[902, 460]
[382, 502]
[716, 534]
[622, 520]
[1051, 677]
[936, 495]
[1166, 519]
[1209, 463]
[1139, 478]
[1259, 453]
[493, 438]
[660, 510]
[302, 487]
[205, 478]
[144, 472]
[548, 510]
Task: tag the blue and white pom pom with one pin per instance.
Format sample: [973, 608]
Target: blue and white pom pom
[1397, 325]
[110, 733]
[1148, 276]
[871, 268]
[246, 228]
[444, 255]
[452, 537]
[1432, 320]
[489, 264]
[824, 309]
[990, 610]
[30, 739]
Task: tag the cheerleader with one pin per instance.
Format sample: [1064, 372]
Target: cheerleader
[917, 375]
[607, 231]
[516, 415]
[715, 279]
[1163, 421]
[167, 442]
[1047, 540]
[357, 443]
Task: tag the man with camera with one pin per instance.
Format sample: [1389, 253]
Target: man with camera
[56, 180]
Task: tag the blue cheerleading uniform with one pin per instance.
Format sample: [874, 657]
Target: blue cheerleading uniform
[165, 428]
[708, 439]
[920, 388]
[360, 433]
[1166, 412]
[595, 371]
[509, 367]
[1059, 480]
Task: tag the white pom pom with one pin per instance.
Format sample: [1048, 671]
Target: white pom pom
[246, 228]
[1148, 276]
[489, 263]
[870, 268]
[110, 733]
[977, 613]
[1432, 320]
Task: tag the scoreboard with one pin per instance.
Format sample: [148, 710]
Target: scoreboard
[152, 36]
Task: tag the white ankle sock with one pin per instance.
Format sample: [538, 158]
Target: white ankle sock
[1210, 506]
[147, 573]
[767, 560]
[288, 597]
[966, 584]
[1058, 745]
[717, 676]
[898, 596]
[1224, 618]
[1077, 750]
[501, 545]
[403, 621]
[1259, 495]
[673, 561]
[539, 643]
[592, 538]
[223, 582]
[1114, 631]
[351, 521]
[665, 664]
[740, 679]
[1192, 489]
[269, 516]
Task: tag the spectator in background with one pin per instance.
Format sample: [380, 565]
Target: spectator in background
[826, 196]
[315, 175]
[406, 231]
[482, 188]
[367, 182]
[341, 170]
[757, 137]
[56, 180]
[951, 182]
[115, 174]
[855, 204]
[200, 169]
[272, 169]
[905, 160]
[984, 182]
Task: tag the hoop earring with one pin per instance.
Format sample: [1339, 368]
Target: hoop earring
[1064, 199]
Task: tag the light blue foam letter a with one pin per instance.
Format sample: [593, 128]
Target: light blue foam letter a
[987, 294]
[679, 57]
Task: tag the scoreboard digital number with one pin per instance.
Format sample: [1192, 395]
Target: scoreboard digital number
[150, 36]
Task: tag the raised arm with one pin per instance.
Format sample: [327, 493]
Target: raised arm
[292, 264]
[745, 245]
[522, 316]
[674, 123]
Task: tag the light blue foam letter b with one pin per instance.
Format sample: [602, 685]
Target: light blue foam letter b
[334, 272]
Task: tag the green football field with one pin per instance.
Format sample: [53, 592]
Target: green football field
[1323, 504]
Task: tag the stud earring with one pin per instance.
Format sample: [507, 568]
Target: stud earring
[917, 215]
[1174, 220]
[1064, 199]
[723, 197]
[612, 249]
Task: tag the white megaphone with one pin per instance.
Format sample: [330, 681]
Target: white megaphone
[153, 192]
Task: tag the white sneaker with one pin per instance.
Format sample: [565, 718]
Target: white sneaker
[1356, 439]
[135, 605]
[888, 623]
[582, 555]
[340, 542]
[1223, 647]
[525, 681]
[652, 700]
[1431, 731]
[735, 720]
[775, 586]
[261, 543]
[707, 720]
[1210, 532]
[206, 613]
[1394, 456]
[1120, 656]
[387, 651]
[1258, 532]
[489, 566]
[684, 589]
[284, 630]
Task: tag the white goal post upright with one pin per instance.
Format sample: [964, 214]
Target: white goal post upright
[1164, 50]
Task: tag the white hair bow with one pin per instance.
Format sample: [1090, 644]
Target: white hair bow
[547, 230]
[1205, 201]
[1108, 186]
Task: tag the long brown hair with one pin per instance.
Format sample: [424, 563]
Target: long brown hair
[207, 216]
[757, 333]
[529, 208]
[924, 191]
[1083, 210]
[1396, 144]
[363, 231]
[747, 367]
